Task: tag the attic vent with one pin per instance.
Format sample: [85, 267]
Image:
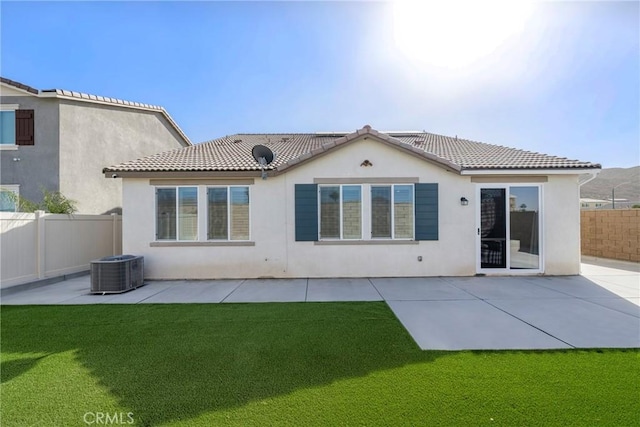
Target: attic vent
[285, 139]
[418, 141]
[237, 141]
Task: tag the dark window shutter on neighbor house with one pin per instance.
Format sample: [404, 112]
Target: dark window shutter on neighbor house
[24, 127]
[306, 206]
[426, 206]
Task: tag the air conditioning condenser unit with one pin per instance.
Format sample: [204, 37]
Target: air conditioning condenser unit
[117, 274]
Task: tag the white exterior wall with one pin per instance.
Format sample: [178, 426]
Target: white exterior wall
[561, 222]
[275, 252]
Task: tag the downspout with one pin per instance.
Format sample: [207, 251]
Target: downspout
[592, 174]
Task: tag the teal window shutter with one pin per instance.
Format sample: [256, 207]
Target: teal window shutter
[306, 205]
[426, 215]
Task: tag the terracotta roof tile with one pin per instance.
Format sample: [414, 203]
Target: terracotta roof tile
[233, 153]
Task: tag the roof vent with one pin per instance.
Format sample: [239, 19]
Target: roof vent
[237, 141]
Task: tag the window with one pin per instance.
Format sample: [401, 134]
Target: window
[7, 127]
[177, 213]
[9, 198]
[392, 211]
[228, 213]
[16, 126]
[341, 212]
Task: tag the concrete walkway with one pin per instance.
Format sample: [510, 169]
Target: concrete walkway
[600, 308]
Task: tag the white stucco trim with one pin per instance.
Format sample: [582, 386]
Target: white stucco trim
[166, 244]
[9, 107]
[204, 181]
[374, 180]
[569, 171]
[365, 242]
[509, 179]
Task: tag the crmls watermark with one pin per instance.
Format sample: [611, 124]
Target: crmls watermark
[108, 418]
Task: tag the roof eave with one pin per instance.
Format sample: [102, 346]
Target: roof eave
[28, 90]
[577, 170]
[114, 173]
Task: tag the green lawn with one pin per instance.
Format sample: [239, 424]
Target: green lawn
[288, 364]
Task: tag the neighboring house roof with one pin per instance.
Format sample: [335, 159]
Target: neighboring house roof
[587, 200]
[19, 85]
[78, 96]
[233, 153]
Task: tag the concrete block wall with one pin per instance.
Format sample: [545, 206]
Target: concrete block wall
[613, 234]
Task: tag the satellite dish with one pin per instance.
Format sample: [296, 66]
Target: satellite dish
[264, 156]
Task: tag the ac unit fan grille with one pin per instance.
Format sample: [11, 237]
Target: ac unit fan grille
[117, 274]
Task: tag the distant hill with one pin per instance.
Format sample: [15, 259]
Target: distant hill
[600, 188]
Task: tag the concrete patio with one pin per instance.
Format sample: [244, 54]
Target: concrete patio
[600, 308]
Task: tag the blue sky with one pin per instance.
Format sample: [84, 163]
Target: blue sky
[567, 85]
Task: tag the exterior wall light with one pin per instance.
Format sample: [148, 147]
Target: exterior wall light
[464, 201]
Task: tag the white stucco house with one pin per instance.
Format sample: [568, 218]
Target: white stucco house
[362, 204]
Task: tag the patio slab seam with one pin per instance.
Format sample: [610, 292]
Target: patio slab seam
[234, 289]
[588, 298]
[378, 291]
[529, 324]
[152, 295]
[592, 300]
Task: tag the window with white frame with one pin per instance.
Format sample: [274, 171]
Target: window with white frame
[228, 213]
[16, 126]
[7, 127]
[9, 197]
[177, 213]
[340, 212]
[392, 211]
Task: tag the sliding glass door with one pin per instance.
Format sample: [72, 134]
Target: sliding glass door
[509, 229]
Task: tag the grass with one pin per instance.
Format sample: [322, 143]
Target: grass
[288, 364]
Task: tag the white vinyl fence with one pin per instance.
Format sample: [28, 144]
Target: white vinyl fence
[39, 245]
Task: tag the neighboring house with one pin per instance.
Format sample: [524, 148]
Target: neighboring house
[59, 141]
[586, 203]
[590, 204]
[364, 204]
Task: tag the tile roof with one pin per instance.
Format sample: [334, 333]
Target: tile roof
[19, 85]
[61, 93]
[233, 153]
